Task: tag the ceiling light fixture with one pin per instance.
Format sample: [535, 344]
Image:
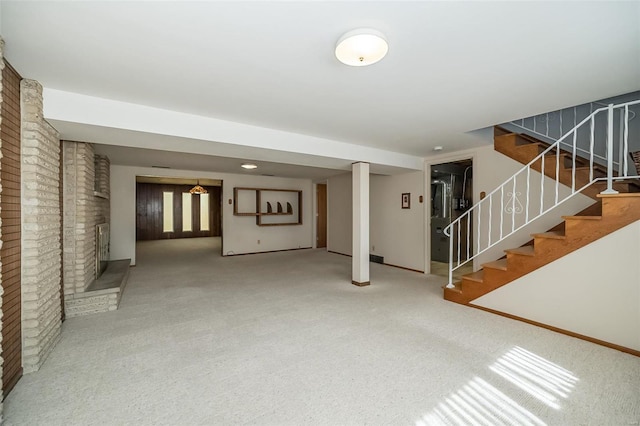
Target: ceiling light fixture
[361, 47]
[197, 189]
[249, 166]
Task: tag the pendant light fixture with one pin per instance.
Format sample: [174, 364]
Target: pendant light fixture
[361, 47]
[197, 189]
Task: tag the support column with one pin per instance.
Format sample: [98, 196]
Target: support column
[360, 240]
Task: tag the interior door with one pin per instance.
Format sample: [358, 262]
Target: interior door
[321, 217]
[11, 230]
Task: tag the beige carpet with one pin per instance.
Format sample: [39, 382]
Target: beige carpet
[285, 339]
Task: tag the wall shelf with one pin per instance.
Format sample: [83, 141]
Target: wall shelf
[259, 203]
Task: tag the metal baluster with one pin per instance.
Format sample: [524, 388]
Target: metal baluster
[591, 143]
[626, 140]
[557, 171]
[459, 243]
[468, 233]
[501, 209]
[620, 151]
[573, 162]
[513, 205]
[547, 134]
[490, 216]
[479, 222]
[542, 183]
[526, 216]
[450, 285]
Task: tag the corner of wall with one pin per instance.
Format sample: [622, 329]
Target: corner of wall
[41, 252]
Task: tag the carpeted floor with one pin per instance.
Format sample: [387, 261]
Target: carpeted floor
[285, 339]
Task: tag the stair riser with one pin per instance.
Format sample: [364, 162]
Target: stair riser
[617, 207]
[615, 212]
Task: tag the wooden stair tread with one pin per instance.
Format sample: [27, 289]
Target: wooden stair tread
[530, 143]
[477, 276]
[554, 243]
[551, 234]
[523, 251]
[622, 194]
[582, 217]
[500, 264]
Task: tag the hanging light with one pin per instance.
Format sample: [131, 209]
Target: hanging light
[361, 47]
[197, 189]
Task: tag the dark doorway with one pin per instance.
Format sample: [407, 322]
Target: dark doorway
[165, 210]
[321, 218]
[451, 196]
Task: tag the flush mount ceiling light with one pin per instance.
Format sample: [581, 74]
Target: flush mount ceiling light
[197, 189]
[361, 47]
[249, 166]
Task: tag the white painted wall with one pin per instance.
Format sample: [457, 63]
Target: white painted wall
[397, 234]
[144, 124]
[594, 291]
[339, 211]
[240, 233]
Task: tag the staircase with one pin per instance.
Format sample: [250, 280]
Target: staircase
[616, 204]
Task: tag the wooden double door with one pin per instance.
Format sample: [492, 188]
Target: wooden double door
[151, 214]
[11, 230]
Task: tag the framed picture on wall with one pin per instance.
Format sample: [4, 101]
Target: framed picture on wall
[406, 200]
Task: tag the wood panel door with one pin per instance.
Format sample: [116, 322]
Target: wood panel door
[321, 217]
[10, 214]
[150, 212]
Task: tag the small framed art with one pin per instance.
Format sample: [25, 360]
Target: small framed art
[406, 200]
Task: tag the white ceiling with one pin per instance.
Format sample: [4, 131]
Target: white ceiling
[127, 156]
[452, 67]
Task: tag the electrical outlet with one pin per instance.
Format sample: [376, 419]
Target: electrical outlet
[373, 248]
[258, 241]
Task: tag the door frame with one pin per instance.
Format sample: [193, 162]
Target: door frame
[428, 164]
[317, 214]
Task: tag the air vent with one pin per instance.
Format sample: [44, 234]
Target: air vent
[376, 259]
[161, 167]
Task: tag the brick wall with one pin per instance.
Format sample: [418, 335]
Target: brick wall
[41, 254]
[85, 204]
[103, 188]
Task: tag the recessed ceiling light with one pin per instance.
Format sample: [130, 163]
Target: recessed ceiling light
[361, 47]
[249, 166]
[437, 148]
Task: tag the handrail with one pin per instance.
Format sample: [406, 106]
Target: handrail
[493, 228]
[547, 133]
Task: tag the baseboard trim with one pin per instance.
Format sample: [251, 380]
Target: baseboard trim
[263, 252]
[386, 264]
[405, 268]
[560, 330]
[362, 284]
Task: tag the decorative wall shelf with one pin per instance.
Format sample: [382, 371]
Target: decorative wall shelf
[253, 202]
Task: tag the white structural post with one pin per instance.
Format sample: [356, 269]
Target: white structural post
[360, 242]
[609, 189]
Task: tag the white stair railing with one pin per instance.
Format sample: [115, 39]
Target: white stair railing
[529, 194]
[549, 126]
